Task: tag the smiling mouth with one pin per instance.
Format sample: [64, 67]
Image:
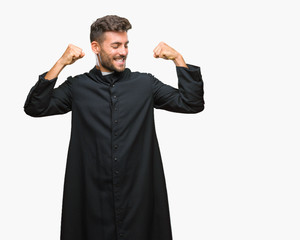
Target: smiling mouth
[120, 60]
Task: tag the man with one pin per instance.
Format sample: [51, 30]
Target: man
[114, 183]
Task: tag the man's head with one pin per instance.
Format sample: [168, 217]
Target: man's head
[110, 42]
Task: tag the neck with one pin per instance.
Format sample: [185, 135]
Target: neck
[100, 67]
[104, 72]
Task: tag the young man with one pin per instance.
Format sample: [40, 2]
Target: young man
[114, 183]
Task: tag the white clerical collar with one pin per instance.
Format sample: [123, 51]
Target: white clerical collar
[106, 73]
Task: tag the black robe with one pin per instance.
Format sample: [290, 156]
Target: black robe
[114, 186]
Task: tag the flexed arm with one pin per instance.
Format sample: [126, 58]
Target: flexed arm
[43, 99]
[188, 97]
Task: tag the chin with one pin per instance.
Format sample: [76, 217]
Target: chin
[120, 69]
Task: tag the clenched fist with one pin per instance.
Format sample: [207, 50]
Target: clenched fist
[166, 52]
[71, 55]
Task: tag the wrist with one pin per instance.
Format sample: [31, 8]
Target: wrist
[179, 61]
[60, 63]
[55, 70]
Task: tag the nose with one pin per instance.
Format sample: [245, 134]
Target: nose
[123, 51]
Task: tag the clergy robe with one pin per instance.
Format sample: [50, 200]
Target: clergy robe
[114, 186]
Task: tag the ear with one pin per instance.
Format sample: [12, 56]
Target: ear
[95, 47]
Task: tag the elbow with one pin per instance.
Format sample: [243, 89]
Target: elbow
[29, 112]
[196, 106]
[32, 112]
[29, 109]
[192, 107]
[200, 109]
[197, 109]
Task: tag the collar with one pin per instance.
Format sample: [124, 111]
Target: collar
[106, 73]
[97, 76]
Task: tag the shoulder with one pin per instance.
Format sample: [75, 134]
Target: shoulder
[141, 75]
[84, 77]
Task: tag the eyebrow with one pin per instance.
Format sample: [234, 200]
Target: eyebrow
[119, 43]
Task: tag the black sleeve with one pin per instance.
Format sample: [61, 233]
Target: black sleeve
[188, 98]
[45, 100]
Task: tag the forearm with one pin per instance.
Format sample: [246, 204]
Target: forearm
[190, 86]
[179, 61]
[55, 70]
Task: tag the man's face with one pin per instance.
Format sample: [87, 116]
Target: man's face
[113, 52]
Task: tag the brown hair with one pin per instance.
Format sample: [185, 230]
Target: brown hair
[108, 23]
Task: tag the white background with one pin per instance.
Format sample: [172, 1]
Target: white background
[232, 171]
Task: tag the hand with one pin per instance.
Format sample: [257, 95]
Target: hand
[166, 52]
[71, 55]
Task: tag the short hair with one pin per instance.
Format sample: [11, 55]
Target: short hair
[108, 23]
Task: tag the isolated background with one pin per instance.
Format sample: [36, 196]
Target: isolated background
[238, 161]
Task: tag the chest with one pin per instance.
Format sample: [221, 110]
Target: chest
[129, 97]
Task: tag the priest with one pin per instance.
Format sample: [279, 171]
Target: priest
[114, 185]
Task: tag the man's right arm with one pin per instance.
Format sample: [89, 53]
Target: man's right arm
[43, 99]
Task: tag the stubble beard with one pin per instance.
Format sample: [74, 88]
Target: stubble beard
[107, 62]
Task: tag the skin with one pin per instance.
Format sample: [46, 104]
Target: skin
[113, 51]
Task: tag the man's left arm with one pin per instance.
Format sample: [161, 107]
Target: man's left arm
[188, 98]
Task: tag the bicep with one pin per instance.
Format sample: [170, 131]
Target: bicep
[179, 100]
[61, 99]
[165, 96]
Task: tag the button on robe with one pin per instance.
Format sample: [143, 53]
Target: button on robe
[114, 185]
